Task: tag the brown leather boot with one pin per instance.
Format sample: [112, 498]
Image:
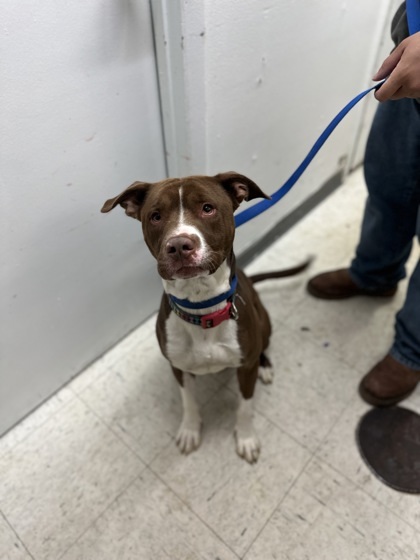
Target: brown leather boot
[388, 383]
[338, 284]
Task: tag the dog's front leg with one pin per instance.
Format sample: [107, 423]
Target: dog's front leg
[247, 443]
[188, 437]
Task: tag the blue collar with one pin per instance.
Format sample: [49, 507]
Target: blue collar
[208, 302]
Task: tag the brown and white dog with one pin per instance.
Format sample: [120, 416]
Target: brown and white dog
[210, 318]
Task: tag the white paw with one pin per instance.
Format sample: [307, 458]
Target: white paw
[248, 448]
[188, 438]
[266, 374]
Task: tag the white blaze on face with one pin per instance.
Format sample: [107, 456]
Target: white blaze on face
[185, 228]
[203, 286]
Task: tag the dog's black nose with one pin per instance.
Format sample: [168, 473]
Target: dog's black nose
[181, 246]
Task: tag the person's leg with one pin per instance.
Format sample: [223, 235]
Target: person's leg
[406, 347]
[396, 376]
[392, 172]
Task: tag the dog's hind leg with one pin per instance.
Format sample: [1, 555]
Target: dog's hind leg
[247, 443]
[188, 436]
[265, 370]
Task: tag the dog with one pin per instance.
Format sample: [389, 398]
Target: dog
[210, 317]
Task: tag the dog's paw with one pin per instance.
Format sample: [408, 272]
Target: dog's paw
[266, 374]
[248, 448]
[188, 438]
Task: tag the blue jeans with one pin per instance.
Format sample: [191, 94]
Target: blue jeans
[392, 218]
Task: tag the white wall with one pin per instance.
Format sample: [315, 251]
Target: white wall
[259, 82]
[80, 121]
[246, 85]
[369, 107]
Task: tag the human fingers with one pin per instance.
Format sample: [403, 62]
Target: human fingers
[404, 79]
[389, 63]
[399, 94]
[389, 88]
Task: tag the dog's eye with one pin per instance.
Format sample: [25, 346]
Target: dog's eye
[155, 217]
[208, 209]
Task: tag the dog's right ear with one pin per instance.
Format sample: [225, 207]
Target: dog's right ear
[131, 199]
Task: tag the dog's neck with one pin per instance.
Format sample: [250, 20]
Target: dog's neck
[201, 288]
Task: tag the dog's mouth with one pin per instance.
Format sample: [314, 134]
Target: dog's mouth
[182, 270]
[185, 272]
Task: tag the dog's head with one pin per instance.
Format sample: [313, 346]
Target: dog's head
[187, 223]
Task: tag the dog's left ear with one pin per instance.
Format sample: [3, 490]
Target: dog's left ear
[131, 199]
[239, 187]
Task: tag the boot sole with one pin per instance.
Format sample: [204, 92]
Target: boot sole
[324, 295]
[370, 398]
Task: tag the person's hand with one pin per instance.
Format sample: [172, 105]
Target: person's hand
[403, 68]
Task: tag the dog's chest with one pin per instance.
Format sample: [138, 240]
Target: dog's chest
[196, 350]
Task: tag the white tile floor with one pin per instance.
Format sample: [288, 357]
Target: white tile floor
[94, 474]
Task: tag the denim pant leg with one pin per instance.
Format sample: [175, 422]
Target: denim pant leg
[406, 347]
[392, 173]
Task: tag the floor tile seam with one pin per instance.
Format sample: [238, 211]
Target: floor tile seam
[352, 399]
[202, 405]
[3, 515]
[224, 386]
[107, 368]
[300, 443]
[111, 429]
[173, 438]
[110, 365]
[361, 370]
[160, 452]
[335, 350]
[278, 506]
[260, 412]
[283, 431]
[231, 389]
[296, 307]
[102, 513]
[192, 510]
[292, 309]
[367, 493]
[34, 430]
[74, 394]
[234, 375]
[334, 357]
[358, 369]
[120, 342]
[94, 380]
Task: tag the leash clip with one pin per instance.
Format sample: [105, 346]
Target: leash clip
[234, 314]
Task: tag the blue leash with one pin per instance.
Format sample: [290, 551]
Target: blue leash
[263, 205]
[413, 17]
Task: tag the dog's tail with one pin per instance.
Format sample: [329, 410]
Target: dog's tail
[281, 273]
